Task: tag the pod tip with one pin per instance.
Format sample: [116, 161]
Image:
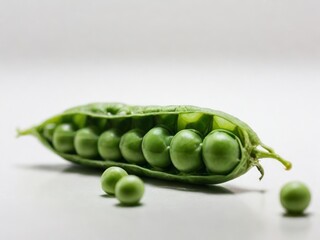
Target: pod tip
[288, 165]
[20, 132]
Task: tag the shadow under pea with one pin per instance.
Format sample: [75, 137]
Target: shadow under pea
[82, 170]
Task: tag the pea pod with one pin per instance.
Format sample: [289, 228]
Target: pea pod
[177, 143]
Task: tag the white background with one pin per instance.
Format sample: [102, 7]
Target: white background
[258, 60]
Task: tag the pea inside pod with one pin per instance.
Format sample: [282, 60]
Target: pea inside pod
[48, 131]
[108, 145]
[63, 138]
[130, 146]
[185, 151]
[155, 147]
[221, 152]
[85, 143]
[176, 143]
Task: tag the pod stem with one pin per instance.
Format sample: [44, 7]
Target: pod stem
[269, 149]
[271, 154]
[24, 132]
[260, 169]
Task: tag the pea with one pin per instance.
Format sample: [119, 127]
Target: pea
[185, 151]
[99, 124]
[110, 177]
[85, 143]
[168, 121]
[129, 190]
[221, 152]
[221, 123]
[197, 121]
[130, 146]
[155, 147]
[108, 145]
[80, 120]
[48, 131]
[143, 123]
[173, 143]
[295, 197]
[122, 123]
[63, 138]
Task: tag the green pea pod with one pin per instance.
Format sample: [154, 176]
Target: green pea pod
[190, 124]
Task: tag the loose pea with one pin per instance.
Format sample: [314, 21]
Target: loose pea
[129, 190]
[221, 152]
[48, 131]
[295, 197]
[155, 147]
[185, 151]
[130, 146]
[86, 143]
[108, 145]
[63, 138]
[110, 177]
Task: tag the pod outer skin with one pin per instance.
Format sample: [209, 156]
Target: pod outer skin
[248, 144]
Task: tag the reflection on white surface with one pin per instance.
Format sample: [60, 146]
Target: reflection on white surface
[297, 227]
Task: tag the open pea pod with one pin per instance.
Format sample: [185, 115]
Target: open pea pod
[176, 143]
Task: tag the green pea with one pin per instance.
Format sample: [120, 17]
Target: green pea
[144, 123]
[295, 197]
[130, 146]
[48, 131]
[110, 177]
[221, 152]
[63, 138]
[185, 151]
[108, 145]
[168, 121]
[80, 120]
[155, 147]
[86, 143]
[221, 123]
[122, 123]
[197, 121]
[99, 123]
[129, 190]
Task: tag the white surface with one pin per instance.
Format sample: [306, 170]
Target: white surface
[43, 196]
[257, 60]
[97, 29]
